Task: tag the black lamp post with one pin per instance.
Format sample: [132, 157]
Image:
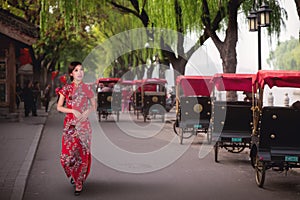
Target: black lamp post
[258, 19]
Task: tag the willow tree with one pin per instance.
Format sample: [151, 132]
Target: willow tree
[207, 19]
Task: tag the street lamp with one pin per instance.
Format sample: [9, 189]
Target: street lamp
[258, 19]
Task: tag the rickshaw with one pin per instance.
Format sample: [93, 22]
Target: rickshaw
[153, 98]
[108, 98]
[275, 138]
[193, 106]
[232, 120]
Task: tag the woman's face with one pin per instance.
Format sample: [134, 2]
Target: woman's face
[78, 73]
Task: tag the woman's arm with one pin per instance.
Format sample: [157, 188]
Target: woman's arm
[60, 107]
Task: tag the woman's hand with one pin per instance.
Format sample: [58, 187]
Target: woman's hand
[84, 115]
[76, 113]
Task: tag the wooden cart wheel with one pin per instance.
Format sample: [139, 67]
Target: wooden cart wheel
[260, 169]
[216, 147]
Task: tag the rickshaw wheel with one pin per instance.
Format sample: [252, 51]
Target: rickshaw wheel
[260, 169]
[175, 127]
[179, 131]
[253, 155]
[216, 148]
[235, 149]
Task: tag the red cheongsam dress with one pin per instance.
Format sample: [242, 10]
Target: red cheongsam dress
[76, 140]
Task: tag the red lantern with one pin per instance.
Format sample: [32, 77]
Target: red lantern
[25, 57]
[63, 79]
[54, 74]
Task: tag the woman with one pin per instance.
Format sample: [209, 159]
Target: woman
[76, 141]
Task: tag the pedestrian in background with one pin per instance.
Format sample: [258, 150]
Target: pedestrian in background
[76, 140]
[28, 98]
[36, 97]
[18, 95]
[47, 97]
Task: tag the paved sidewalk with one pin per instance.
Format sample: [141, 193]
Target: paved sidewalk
[18, 144]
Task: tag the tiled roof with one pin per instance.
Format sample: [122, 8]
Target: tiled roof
[18, 24]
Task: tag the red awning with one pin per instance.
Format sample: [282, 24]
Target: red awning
[195, 85]
[279, 78]
[233, 82]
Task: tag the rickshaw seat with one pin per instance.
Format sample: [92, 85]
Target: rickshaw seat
[109, 100]
[233, 118]
[279, 129]
[195, 108]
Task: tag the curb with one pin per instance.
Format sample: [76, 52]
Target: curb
[20, 183]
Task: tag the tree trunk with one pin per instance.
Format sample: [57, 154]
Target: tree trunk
[227, 48]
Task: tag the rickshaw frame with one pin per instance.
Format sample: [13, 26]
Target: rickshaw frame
[193, 92]
[232, 136]
[108, 102]
[275, 137]
[153, 102]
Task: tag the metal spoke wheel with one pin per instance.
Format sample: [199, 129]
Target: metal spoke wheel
[260, 169]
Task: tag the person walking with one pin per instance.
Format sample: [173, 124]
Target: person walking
[18, 95]
[36, 97]
[28, 98]
[47, 96]
[76, 139]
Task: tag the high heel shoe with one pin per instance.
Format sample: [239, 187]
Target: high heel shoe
[77, 192]
[72, 181]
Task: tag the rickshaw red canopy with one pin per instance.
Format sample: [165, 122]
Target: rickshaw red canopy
[234, 82]
[151, 83]
[195, 85]
[279, 78]
[108, 80]
[127, 82]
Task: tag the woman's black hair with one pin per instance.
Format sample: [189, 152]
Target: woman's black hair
[72, 67]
